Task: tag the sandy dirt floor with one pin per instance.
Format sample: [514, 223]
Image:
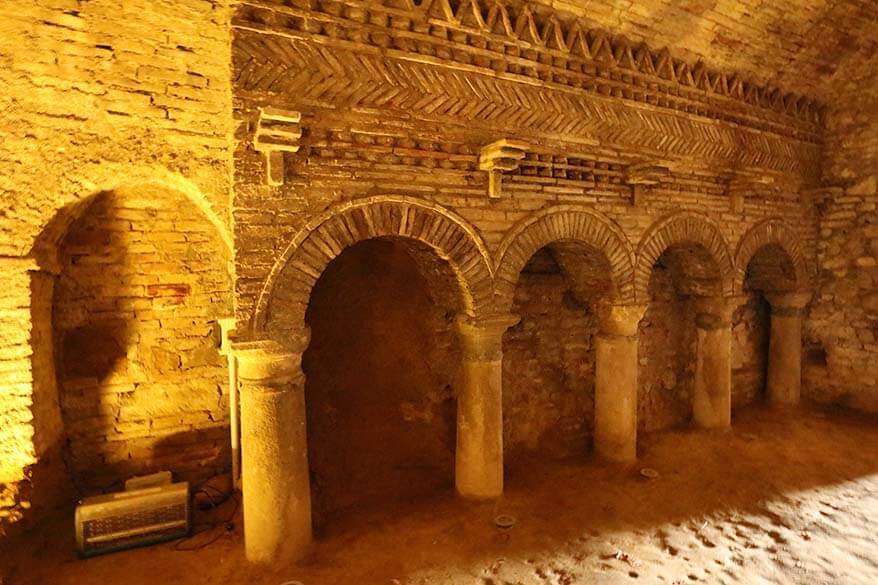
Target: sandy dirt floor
[779, 499]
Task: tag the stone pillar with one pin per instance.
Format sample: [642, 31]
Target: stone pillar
[615, 399]
[274, 456]
[784, 380]
[712, 397]
[478, 470]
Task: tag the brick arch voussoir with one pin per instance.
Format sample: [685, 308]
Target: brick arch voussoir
[682, 227]
[323, 237]
[557, 223]
[772, 231]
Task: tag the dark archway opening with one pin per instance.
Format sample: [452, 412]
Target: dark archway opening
[381, 371]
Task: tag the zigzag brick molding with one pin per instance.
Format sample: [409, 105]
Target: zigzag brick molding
[520, 40]
[329, 76]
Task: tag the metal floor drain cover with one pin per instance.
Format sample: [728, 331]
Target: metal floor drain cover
[504, 521]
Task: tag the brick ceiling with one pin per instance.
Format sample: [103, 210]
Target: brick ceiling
[811, 47]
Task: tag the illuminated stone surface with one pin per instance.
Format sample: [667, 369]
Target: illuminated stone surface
[167, 164]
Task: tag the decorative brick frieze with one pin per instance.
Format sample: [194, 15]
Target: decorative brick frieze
[304, 73]
[513, 39]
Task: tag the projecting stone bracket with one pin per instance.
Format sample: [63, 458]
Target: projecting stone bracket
[497, 157]
[641, 175]
[277, 132]
[738, 184]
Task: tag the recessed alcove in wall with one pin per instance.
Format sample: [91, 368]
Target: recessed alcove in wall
[667, 349]
[381, 371]
[549, 356]
[143, 275]
[770, 269]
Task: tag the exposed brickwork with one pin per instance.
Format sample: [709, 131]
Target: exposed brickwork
[381, 414]
[683, 229]
[548, 366]
[840, 364]
[666, 354]
[797, 46]
[96, 95]
[324, 237]
[142, 385]
[750, 328]
[149, 104]
[564, 223]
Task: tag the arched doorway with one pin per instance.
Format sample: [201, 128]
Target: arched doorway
[549, 356]
[381, 374]
[685, 274]
[774, 282]
[567, 272]
[275, 444]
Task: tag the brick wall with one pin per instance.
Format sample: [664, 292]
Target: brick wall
[750, 331]
[126, 97]
[548, 366]
[96, 95]
[142, 386]
[843, 321]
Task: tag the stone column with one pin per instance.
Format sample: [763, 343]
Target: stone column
[274, 456]
[784, 380]
[615, 399]
[478, 470]
[712, 398]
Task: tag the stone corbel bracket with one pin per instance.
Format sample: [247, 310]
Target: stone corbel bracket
[739, 184]
[500, 156]
[277, 132]
[644, 174]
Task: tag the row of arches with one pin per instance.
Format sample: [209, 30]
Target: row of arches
[487, 280]
[681, 271]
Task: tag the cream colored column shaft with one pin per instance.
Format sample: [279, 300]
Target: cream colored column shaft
[615, 401]
[712, 399]
[784, 380]
[277, 493]
[478, 470]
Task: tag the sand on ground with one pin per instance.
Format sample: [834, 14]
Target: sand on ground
[786, 498]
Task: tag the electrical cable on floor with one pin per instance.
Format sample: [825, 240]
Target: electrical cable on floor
[227, 525]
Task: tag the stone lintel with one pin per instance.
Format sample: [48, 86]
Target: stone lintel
[620, 320]
[482, 338]
[739, 183]
[641, 175]
[227, 333]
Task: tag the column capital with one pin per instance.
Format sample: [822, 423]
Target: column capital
[790, 303]
[714, 312]
[482, 337]
[266, 362]
[616, 319]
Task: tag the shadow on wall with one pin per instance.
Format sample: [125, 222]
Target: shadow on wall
[143, 276]
[381, 371]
